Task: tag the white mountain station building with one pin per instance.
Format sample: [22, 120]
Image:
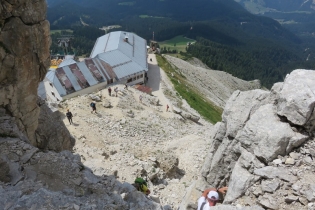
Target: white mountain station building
[117, 58]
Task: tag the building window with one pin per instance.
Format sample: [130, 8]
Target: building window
[129, 80]
[135, 78]
[52, 93]
[51, 84]
[141, 75]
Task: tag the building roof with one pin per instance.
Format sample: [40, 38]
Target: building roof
[129, 44]
[112, 58]
[66, 62]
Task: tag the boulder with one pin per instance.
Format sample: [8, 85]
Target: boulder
[138, 200]
[270, 172]
[242, 178]
[291, 198]
[225, 153]
[52, 133]
[107, 104]
[266, 136]
[194, 118]
[296, 98]
[268, 201]
[309, 193]
[289, 161]
[176, 110]
[270, 185]
[169, 164]
[239, 107]
[95, 98]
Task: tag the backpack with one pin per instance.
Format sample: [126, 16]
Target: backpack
[69, 114]
[92, 104]
[140, 183]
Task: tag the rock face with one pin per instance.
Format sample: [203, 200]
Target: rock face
[260, 129]
[24, 58]
[31, 178]
[296, 99]
[52, 133]
[49, 180]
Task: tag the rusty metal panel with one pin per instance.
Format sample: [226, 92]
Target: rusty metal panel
[94, 70]
[72, 78]
[79, 76]
[87, 73]
[64, 80]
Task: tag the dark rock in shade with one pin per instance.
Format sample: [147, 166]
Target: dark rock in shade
[51, 133]
[4, 171]
[291, 198]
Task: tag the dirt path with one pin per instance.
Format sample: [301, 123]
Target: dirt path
[156, 75]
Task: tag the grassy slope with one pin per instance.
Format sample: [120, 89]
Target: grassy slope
[202, 105]
[180, 41]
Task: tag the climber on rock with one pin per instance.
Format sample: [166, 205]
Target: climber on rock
[210, 197]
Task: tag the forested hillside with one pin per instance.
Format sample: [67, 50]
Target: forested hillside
[262, 6]
[266, 61]
[229, 38]
[296, 15]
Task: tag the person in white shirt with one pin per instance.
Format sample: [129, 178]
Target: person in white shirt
[210, 198]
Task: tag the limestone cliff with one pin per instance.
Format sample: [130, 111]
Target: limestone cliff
[24, 58]
[264, 147]
[31, 178]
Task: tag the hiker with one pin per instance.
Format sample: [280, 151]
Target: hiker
[109, 91]
[210, 197]
[116, 90]
[167, 107]
[141, 185]
[93, 105]
[140, 98]
[126, 86]
[69, 116]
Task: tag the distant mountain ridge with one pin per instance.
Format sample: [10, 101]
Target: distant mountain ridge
[229, 38]
[262, 6]
[222, 12]
[296, 15]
